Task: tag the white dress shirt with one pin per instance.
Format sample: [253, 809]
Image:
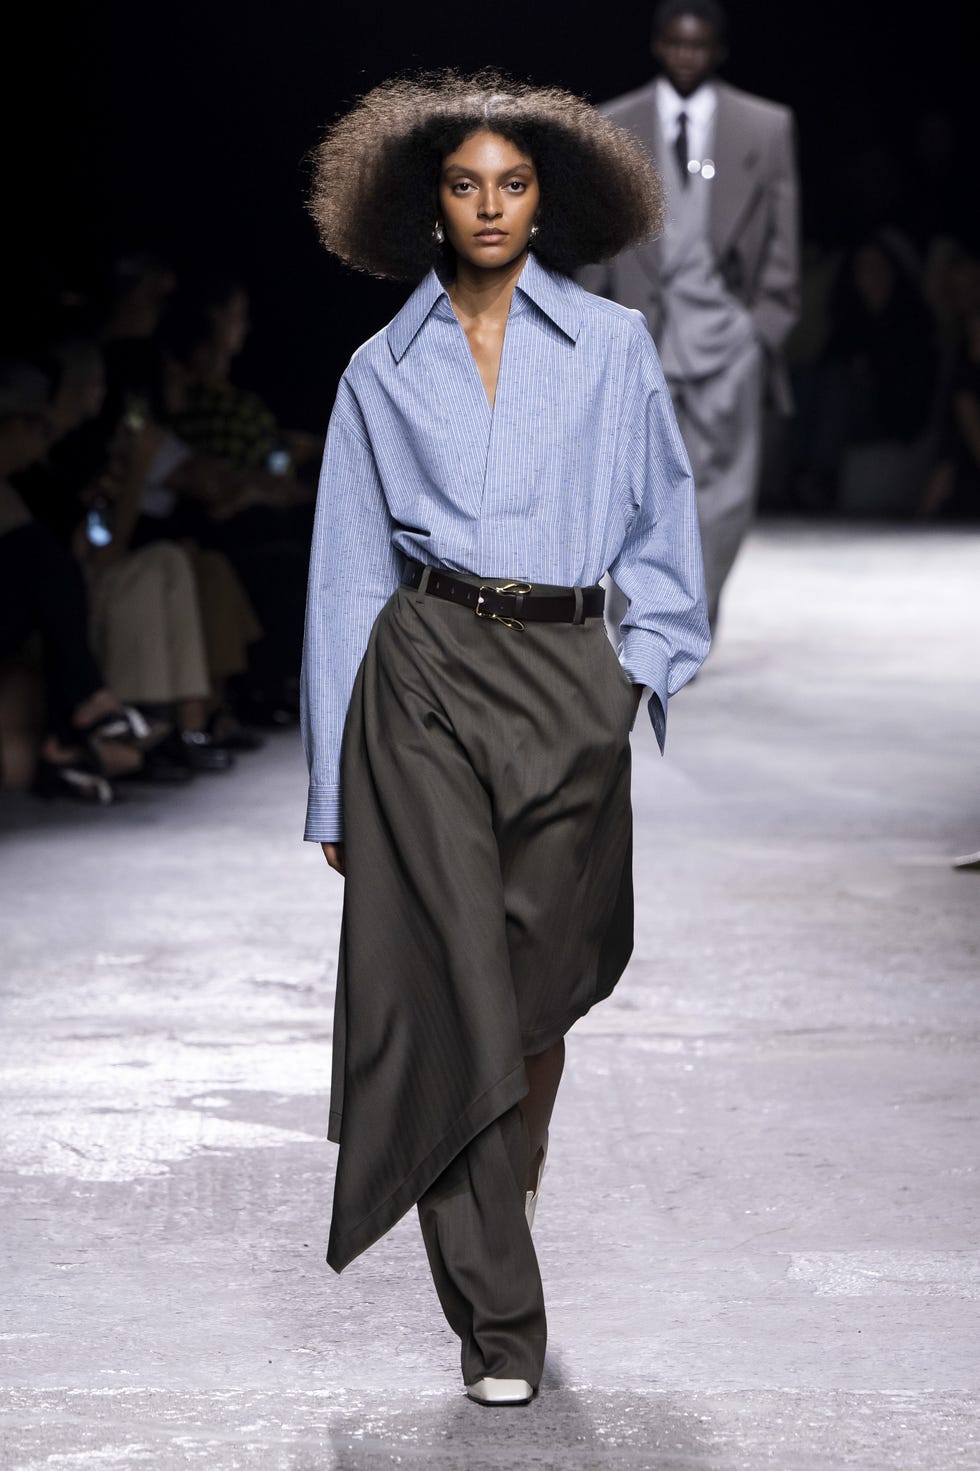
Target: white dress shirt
[700, 109]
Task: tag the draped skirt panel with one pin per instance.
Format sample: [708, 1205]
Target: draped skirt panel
[488, 901]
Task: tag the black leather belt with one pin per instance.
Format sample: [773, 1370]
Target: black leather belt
[505, 602]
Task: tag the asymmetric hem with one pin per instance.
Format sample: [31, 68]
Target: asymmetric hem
[342, 1250]
[488, 900]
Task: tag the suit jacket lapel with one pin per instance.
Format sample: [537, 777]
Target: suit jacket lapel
[736, 159]
[645, 123]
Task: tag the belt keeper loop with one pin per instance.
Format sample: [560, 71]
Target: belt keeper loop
[579, 606]
[424, 579]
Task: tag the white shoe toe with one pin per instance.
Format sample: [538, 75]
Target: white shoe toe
[500, 1391]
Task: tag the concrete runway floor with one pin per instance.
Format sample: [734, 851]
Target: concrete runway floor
[760, 1229]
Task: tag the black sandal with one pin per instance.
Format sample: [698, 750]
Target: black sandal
[78, 778]
[126, 725]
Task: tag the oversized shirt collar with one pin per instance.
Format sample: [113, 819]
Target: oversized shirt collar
[557, 296]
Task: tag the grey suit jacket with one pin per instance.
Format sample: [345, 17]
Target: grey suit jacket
[753, 221]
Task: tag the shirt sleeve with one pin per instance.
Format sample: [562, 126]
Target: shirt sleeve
[353, 571]
[659, 568]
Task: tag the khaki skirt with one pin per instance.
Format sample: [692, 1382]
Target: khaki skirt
[489, 899]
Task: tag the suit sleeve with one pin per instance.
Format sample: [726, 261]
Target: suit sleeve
[776, 306]
[659, 568]
[597, 278]
[353, 571]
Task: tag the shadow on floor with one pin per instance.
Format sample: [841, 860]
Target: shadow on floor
[563, 1429]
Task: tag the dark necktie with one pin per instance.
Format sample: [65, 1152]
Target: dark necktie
[680, 148]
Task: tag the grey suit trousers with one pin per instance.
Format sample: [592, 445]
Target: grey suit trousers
[720, 419]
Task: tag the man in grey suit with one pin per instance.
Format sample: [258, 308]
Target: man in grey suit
[720, 288]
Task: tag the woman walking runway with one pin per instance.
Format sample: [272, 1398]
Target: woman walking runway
[495, 450]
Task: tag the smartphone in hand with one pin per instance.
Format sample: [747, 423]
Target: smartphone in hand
[98, 523]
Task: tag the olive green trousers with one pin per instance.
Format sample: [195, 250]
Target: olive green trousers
[488, 905]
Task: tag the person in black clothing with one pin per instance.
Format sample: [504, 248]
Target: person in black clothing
[883, 336]
[953, 491]
[90, 733]
[876, 383]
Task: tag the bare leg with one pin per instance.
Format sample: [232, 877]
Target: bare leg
[543, 1075]
[117, 759]
[192, 714]
[101, 702]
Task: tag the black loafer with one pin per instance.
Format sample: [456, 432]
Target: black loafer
[237, 737]
[202, 754]
[163, 767]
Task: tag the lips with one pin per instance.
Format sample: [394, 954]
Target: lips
[492, 235]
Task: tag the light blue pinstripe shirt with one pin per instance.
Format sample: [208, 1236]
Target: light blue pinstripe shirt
[577, 470]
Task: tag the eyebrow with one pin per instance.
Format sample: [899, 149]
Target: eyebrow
[457, 168]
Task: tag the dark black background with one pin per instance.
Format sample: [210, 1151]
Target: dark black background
[185, 128]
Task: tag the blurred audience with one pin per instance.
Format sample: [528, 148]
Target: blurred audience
[140, 286]
[223, 479]
[129, 627]
[205, 334]
[218, 622]
[866, 404]
[154, 530]
[953, 489]
[90, 735]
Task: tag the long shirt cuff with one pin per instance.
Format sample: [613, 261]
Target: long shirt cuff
[323, 819]
[646, 661]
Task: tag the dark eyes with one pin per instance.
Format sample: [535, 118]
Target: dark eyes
[515, 186]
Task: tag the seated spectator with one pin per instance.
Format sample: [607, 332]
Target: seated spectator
[145, 623]
[953, 490]
[92, 737]
[139, 288]
[217, 510]
[205, 333]
[146, 619]
[208, 505]
[228, 621]
[864, 437]
[226, 476]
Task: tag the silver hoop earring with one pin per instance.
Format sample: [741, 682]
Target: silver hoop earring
[438, 235]
[534, 231]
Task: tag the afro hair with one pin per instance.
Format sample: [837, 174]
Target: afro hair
[376, 173]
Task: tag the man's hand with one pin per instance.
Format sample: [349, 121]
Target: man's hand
[334, 854]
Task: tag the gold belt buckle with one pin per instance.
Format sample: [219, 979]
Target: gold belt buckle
[511, 587]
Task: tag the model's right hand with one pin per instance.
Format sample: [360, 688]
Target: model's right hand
[334, 854]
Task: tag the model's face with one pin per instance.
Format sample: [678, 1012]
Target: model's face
[688, 49]
[488, 200]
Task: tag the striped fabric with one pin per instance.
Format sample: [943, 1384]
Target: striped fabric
[577, 470]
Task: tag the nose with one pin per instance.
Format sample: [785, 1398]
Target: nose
[489, 207]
